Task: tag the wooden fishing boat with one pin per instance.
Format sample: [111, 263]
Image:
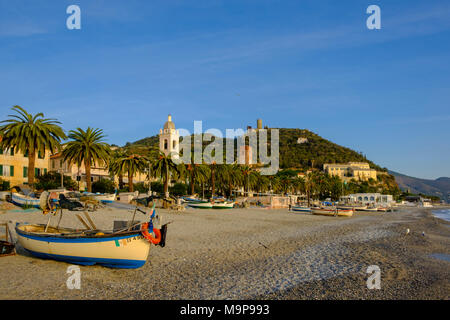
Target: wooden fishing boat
[200, 205]
[105, 198]
[301, 209]
[194, 200]
[374, 209]
[127, 249]
[223, 205]
[350, 207]
[24, 201]
[332, 212]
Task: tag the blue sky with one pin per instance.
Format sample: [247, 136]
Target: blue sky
[295, 64]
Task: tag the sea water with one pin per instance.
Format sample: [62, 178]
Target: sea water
[443, 214]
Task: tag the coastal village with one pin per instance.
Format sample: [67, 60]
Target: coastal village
[14, 172]
[103, 207]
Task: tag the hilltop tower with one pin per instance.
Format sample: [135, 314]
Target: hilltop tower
[169, 139]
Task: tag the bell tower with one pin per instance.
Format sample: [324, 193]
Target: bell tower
[169, 139]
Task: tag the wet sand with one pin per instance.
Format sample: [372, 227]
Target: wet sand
[253, 254]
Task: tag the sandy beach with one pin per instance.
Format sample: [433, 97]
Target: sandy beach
[253, 254]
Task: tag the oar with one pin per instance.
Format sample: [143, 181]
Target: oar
[83, 222]
[90, 220]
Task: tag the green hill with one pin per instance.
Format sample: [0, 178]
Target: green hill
[312, 152]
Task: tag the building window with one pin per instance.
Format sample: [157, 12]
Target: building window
[174, 144]
[6, 171]
[25, 172]
[165, 144]
[12, 151]
[1, 151]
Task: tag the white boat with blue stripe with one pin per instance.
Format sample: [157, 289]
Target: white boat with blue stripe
[128, 249]
[24, 201]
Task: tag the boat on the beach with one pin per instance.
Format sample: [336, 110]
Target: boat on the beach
[332, 212]
[102, 197]
[351, 207]
[105, 198]
[369, 209]
[128, 249]
[194, 200]
[301, 209]
[222, 205]
[200, 205]
[25, 201]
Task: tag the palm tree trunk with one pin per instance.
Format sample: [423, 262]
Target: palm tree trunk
[166, 184]
[120, 181]
[130, 182]
[213, 184]
[192, 184]
[31, 166]
[87, 166]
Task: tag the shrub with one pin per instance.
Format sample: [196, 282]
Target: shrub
[104, 186]
[52, 180]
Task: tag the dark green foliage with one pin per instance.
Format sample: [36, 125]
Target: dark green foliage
[178, 189]
[103, 186]
[4, 185]
[52, 180]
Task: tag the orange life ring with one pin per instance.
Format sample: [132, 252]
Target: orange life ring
[148, 236]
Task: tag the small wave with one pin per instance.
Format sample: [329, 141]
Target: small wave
[443, 214]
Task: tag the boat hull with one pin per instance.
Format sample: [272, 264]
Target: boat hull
[223, 205]
[328, 212]
[128, 251]
[200, 205]
[109, 198]
[24, 201]
[301, 209]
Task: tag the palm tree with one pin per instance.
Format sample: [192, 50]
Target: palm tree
[88, 148]
[163, 167]
[113, 165]
[197, 173]
[248, 177]
[213, 168]
[32, 134]
[131, 164]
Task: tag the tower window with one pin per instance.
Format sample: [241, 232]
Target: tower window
[165, 144]
[174, 144]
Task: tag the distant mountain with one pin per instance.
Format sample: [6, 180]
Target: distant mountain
[439, 187]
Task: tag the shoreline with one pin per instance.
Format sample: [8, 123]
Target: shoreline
[255, 254]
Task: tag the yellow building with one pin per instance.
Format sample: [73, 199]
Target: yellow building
[78, 173]
[353, 170]
[14, 166]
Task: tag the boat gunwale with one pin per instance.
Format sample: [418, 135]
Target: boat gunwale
[79, 235]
